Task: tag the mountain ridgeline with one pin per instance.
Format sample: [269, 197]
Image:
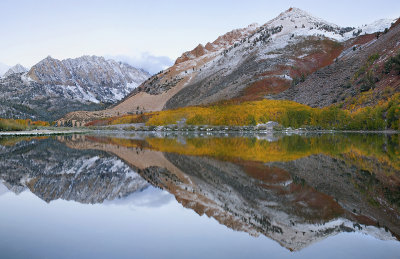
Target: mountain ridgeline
[18, 68]
[53, 87]
[295, 56]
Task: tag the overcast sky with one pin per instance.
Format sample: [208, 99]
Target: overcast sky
[150, 34]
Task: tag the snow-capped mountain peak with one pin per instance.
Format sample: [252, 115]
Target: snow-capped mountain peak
[297, 15]
[296, 22]
[250, 63]
[90, 78]
[54, 87]
[377, 26]
[18, 68]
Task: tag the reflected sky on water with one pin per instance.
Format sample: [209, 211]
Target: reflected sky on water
[146, 197]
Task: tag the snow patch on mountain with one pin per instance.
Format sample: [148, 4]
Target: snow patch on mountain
[88, 78]
[377, 26]
[18, 68]
[297, 22]
[301, 23]
[288, 28]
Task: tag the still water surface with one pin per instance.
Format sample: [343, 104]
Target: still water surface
[191, 196]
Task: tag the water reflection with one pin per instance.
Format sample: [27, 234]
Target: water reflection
[296, 190]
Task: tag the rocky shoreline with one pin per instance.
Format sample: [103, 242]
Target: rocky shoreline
[260, 128]
[133, 128]
[42, 132]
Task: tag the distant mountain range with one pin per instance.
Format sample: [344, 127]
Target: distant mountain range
[294, 56]
[18, 68]
[53, 87]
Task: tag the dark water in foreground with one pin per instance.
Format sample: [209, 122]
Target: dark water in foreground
[210, 196]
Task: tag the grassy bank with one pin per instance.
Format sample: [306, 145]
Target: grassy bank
[385, 115]
[19, 124]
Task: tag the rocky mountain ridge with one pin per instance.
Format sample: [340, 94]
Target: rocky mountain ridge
[246, 64]
[53, 87]
[18, 68]
[219, 44]
[343, 80]
[105, 81]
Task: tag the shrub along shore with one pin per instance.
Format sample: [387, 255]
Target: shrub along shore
[255, 115]
[383, 116]
[20, 124]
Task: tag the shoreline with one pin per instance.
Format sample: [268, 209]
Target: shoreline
[44, 132]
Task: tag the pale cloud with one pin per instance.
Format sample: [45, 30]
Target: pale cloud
[151, 63]
[150, 197]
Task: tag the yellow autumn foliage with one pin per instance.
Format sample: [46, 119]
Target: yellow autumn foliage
[232, 114]
[20, 124]
[385, 115]
[287, 148]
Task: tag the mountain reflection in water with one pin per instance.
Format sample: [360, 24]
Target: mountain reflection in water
[296, 190]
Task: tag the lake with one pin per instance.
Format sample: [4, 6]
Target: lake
[206, 195]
